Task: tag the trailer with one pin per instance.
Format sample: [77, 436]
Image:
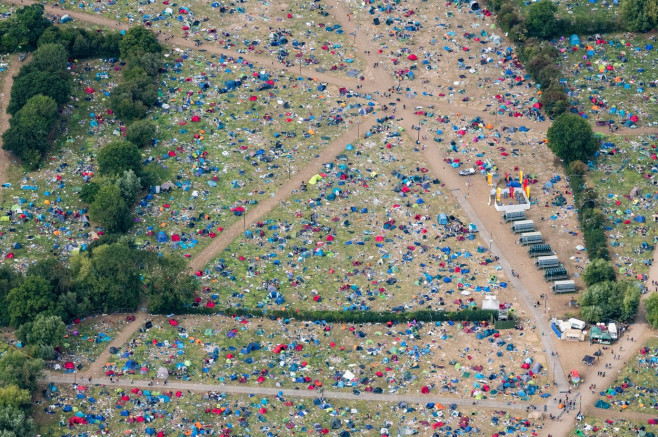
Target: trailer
[547, 262]
[523, 226]
[568, 286]
[540, 250]
[528, 238]
[556, 273]
[513, 216]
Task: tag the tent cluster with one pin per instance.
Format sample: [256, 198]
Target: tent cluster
[238, 351]
[622, 67]
[161, 412]
[636, 390]
[628, 214]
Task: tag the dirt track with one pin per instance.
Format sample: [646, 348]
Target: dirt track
[6, 157]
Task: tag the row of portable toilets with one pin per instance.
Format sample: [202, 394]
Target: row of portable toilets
[546, 260]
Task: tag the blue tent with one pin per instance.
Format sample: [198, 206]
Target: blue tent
[443, 219]
[640, 219]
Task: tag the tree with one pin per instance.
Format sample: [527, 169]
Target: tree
[9, 279]
[89, 191]
[605, 301]
[19, 370]
[33, 297]
[651, 305]
[110, 277]
[541, 20]
[110, 210]
[130, 186]
[170, 287]
[119, 156]
[14, 396]
[151, 63]
[56, 85]
[15, 423]
[50, 57]
[43, 331]
[571, 138]
[141, 133]
[138, 40]
[55, 272]
[29, 134]
[22, 30]
[555, 100]
[599, 270]
[640, 15]
[631, 302]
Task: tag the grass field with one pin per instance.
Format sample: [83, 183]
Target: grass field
[613, 78]
[252, 26]
[364, 236]
[625, 164]
[595, 426]
[87, 338]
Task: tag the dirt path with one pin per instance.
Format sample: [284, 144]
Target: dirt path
[265, 391]
[6, 157]
[96, 368]
[258, 211]
[500, 242]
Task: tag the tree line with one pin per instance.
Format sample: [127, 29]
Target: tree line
[541, 20]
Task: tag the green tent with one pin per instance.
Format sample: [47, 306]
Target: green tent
[602, 404]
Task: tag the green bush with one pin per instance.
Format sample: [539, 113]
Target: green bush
[141, 133]
[640, 15]
[82, 44]
[118, 157]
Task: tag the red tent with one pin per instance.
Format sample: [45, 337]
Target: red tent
[69, 365]
[412, 57]
[195, 118]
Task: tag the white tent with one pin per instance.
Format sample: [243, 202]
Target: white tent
[163, 373]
